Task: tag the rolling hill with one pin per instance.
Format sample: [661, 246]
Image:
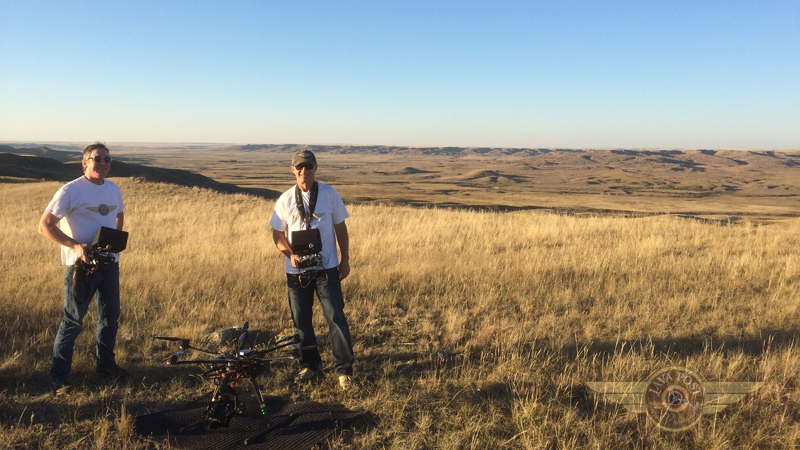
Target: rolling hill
[43, 151]
[41, 168]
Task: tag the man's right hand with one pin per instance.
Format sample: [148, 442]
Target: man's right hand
[48, 227]
[279, 238]
[84, 251]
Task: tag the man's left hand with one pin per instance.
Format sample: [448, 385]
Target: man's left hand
[344, 269]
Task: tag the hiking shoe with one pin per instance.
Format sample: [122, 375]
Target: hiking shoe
[114, 371]
[305, 375]
[345, 382]
[61, 387]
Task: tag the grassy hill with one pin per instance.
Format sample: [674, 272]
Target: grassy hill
[15, 166]
[43, 151]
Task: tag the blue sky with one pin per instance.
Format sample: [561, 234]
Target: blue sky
[574, 74]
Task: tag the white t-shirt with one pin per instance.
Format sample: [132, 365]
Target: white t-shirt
[84, 207]
[329, 210]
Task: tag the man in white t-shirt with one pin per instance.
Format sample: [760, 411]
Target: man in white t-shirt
[316, 206]
[72, 219]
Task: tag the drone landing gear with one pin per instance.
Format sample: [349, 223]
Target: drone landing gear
[225, 404]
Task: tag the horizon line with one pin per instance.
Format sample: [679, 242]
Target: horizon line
[228, 144]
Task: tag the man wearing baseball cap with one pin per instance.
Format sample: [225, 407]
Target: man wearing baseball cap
[311, 205]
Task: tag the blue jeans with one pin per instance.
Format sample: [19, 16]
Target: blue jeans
[329, 292]
[105, 283]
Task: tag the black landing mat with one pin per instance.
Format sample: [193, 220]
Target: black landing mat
[294, 425]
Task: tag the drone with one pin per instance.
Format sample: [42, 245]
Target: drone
[227, 369]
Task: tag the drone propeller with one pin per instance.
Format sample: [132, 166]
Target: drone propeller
[168, 338]
[294, 335]
[243, 336]
[184, 343]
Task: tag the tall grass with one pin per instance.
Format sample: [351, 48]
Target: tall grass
[471, 330]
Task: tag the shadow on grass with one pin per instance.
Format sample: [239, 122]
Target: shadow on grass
[407, 372]
[414, 365]
[148, 389]
[768, 340]
[32, 401]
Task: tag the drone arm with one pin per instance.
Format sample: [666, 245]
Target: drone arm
[273, 358]
[285, 344]
[167, 338]
[203, 361]
[207, 352]
[277, 347]
[184, 344]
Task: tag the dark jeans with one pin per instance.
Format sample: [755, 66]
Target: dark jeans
[105, 282]
[329, 292]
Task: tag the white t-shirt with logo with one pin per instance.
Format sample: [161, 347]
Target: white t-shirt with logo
[329, 210]
[83, 208]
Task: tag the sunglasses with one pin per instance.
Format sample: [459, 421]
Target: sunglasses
[300, 167]
[97, 159]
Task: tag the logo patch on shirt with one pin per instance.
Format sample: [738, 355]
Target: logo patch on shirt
[102, 209]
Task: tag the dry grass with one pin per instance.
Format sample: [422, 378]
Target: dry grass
[472, 330]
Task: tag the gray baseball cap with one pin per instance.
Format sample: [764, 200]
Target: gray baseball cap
[304, 156]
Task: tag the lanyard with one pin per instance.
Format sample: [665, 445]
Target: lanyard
[312, 202]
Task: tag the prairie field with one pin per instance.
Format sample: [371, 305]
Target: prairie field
[471, 329]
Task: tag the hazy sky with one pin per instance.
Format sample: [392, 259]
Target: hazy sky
[578, 74]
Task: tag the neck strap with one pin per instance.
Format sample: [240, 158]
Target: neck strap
[307, 216]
